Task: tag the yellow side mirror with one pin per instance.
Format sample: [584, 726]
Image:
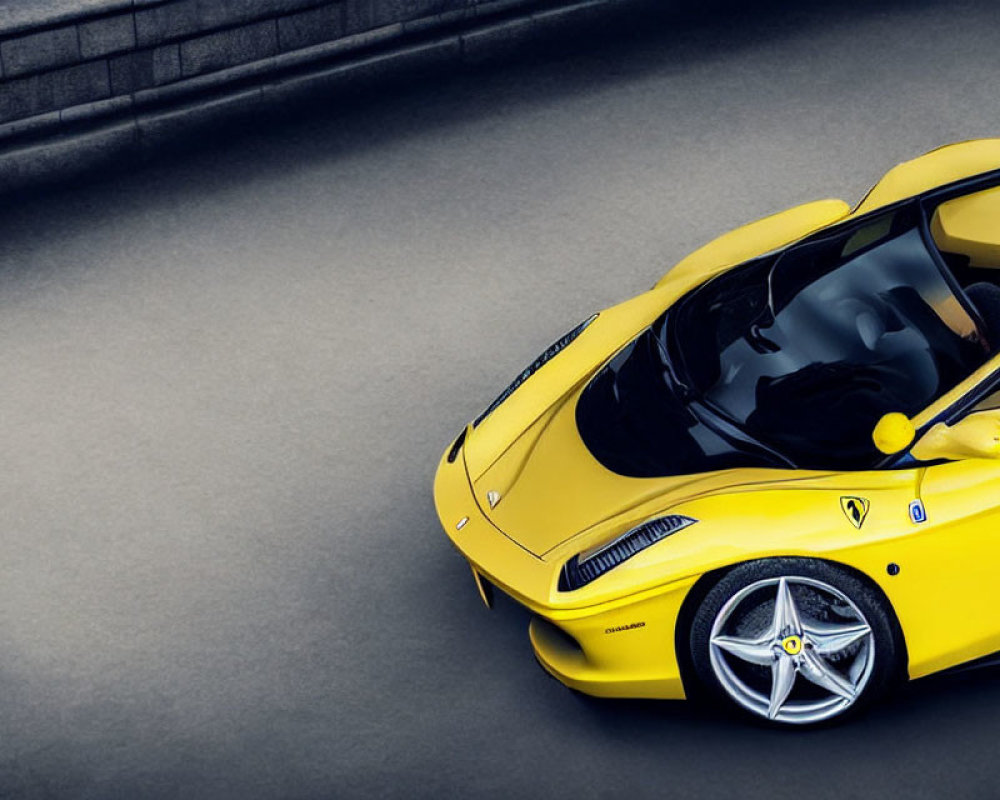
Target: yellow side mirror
[976, 436]
[894, 433]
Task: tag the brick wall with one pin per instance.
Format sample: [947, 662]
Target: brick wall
[114, 48]
[104, 77]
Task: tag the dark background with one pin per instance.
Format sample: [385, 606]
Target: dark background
[230, 374]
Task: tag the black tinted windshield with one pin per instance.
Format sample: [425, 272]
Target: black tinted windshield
[806, 351]
[636, 421]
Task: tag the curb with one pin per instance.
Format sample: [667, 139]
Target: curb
[127, 130]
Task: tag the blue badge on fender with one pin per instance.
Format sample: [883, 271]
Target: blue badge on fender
[917, 512]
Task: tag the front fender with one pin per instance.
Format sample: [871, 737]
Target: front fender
[748, 515]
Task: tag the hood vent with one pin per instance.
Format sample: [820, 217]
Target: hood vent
[457, 447]
[551, 352]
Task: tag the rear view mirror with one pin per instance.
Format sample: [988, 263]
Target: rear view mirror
[975, 436]
[894, 433]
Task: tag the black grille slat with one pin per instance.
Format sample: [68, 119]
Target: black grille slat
[577, 573]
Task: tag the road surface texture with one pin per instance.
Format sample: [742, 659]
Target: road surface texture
[229, 376]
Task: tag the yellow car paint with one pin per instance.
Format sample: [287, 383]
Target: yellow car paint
[968, 226]
[616, 636]
[757, 238]
[612, 329]
[947, 164]
[975, 436]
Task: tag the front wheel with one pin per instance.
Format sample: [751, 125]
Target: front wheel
[794, 641]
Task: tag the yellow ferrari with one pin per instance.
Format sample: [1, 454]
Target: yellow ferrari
[774, 478]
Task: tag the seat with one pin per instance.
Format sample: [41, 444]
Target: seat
[986, 298]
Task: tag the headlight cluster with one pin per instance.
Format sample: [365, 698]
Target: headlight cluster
[588, 566]
[553, 350]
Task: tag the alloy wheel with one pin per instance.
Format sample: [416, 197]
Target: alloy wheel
[792, 649]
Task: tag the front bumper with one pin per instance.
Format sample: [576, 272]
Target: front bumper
[621, 648]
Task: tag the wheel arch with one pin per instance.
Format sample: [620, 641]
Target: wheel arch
[701, 587]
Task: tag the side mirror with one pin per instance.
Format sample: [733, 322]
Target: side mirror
[894, 433]
[975, 436]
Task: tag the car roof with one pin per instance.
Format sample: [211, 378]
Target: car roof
[948, 164]
[945, 165]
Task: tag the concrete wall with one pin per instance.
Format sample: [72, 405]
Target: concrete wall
[86, 79]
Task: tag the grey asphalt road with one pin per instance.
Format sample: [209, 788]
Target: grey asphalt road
[229, 376]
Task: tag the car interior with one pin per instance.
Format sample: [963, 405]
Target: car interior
[966, 231]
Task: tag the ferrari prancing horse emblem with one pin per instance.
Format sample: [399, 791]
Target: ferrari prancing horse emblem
[855, 509]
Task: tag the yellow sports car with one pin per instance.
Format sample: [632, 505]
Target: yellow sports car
[774, 478]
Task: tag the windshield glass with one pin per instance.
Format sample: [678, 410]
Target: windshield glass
[636, 420]
[807, 351]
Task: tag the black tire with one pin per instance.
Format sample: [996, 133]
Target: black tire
[809, 581]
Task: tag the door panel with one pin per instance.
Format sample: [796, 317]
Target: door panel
[958, 564]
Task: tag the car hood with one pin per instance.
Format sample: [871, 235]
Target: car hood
[547, 487]
[544, 392]
[532, 474]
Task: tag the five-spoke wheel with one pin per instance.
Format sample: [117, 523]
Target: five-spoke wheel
[793, 641]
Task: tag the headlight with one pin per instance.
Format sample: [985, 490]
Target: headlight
[591, 564]
[551, 352]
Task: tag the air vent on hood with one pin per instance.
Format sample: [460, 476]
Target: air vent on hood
[456, 448]
[553, 350]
